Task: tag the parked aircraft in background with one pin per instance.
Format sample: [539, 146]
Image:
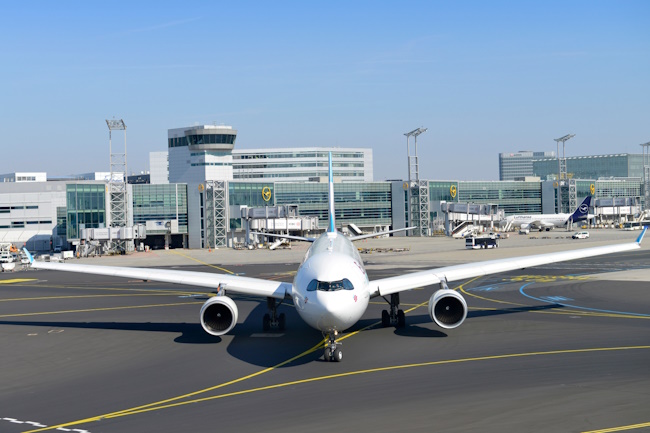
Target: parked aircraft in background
[331, 289]
[550, 221]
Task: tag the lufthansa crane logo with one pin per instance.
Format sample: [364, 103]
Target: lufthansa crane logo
[201, 187]
[452, 191]
[584, 208]
[405, 185]
[592, 189]
[266, 193]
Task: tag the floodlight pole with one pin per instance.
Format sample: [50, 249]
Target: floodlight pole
[646, 175]
[561, 168]
[117, 189]
[418, 192]
[413, 167]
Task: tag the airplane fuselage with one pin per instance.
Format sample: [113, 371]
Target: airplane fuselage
[543, 220]
[330, 289]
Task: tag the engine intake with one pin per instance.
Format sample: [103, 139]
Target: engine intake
[219, 315]
[447, 308]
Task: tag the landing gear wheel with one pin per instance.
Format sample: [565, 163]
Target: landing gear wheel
[266, 322]
[282, 320]
[385, 318]
[332, 350]
[394, 316]
[401, 319]
[273, 320]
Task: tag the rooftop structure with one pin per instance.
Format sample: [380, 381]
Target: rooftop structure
[24, 177]
[302, 164]
[519, 164]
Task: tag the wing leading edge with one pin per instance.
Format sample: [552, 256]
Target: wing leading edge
[387, 286]
[231, 283]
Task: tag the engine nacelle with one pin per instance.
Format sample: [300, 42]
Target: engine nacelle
[219, 315]
[447, 308]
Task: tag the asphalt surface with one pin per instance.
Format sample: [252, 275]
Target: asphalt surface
[543, 349]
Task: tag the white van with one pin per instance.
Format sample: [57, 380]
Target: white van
[581, 235]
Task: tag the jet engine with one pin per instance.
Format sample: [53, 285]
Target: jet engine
[219, 315]
[447, 308]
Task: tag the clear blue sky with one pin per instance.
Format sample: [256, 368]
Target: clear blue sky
[484, 76]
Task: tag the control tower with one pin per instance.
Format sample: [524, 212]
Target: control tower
[201, 157]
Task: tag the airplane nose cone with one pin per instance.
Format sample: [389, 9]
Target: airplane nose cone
[334, 313]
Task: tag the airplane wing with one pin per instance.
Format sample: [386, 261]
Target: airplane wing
[231, 283]
[541, 224]
[295, 238]
[372, 235]
[387, 286]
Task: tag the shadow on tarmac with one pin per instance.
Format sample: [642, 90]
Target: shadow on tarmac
[251, 345]
[502, 311]
[191, 333]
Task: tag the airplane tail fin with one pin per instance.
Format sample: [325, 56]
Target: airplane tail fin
[29, 256]
[332, 223]
[582, 212]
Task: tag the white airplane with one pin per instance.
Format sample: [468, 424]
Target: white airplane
[549, 221]
[331, 289]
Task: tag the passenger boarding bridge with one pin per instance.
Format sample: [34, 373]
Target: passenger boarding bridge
[465, 217]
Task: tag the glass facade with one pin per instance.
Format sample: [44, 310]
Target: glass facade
[251, 194]
[512, 197]
[61, 213]
[592, 167]
[239, 154]
[86, 208]
[160, 203]
[364, 203]
[619, 188]
[519, 164]
[442, 190]
[298, 165]
[201, 139]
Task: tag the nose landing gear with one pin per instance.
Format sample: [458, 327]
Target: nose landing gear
[332, 350]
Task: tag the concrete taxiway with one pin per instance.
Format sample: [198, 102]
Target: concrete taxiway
[563, 347]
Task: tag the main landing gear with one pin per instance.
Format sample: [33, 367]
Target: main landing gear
[394, 316]
[332, 351]
[272, 320]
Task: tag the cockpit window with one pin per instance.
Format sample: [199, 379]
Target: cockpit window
[330, 286]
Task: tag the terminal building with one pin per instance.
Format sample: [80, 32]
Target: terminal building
[622, 165]
[203, 193]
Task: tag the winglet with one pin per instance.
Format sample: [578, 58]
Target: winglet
[640, 238]
[29, 256]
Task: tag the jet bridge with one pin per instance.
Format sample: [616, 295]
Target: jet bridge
[276, 220]
[466, 214]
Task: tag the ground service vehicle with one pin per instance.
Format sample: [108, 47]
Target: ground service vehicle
[581, 235]
[474, 243]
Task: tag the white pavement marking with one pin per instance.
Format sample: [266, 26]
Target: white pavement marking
[38, 424]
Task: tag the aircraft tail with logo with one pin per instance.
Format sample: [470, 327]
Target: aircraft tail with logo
[582, 212]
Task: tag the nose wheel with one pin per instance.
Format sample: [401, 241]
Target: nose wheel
[332, 352]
